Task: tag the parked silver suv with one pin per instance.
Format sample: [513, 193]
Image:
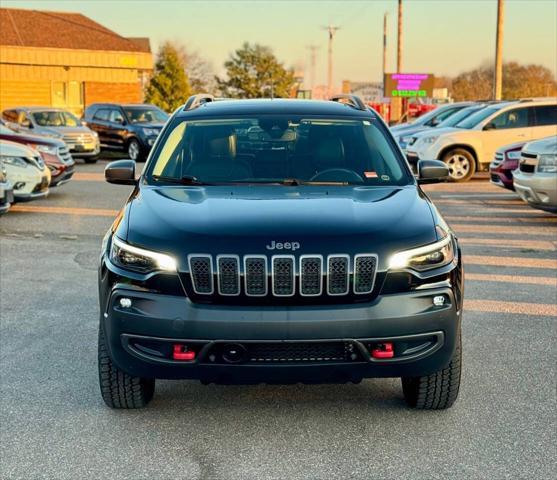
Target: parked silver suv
[536, 178]
[58, 123]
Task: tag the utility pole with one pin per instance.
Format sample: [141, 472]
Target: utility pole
[313, 55]
[399, 39]
[498, 76]
[384, 47]
[331, 30]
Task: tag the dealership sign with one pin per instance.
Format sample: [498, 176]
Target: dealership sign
[408, 85]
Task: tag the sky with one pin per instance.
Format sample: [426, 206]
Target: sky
[443, 37]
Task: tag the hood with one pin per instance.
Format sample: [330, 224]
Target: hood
[244, 220]
[396, 129]
[545, 145]
[157, 125]
[57, 131]
[410, 131]
[438, 131]
[34, 139]
[14, 149]
[512, 146]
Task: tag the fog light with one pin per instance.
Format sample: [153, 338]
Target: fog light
[439, 300]
[125, 302]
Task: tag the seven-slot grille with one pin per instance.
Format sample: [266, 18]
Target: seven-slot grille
[309, 276]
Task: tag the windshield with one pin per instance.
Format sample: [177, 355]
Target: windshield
[278, 149]
[145, 115]
[459, 116]
[55, 118]
[473, 120]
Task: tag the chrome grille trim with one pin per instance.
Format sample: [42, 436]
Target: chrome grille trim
[195, 280]
[306, 289]
[228, 276]
[336, 279]
[283, 282]
[369, 274]
[252, 288]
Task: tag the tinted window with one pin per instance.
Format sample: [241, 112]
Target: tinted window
[515, 118]
[273, 148]
[102, 115]
[459, 116]
[546, 115]
[116, 116]
[477, 117]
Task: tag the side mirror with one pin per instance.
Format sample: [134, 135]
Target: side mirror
[121, 172]
[432, 171]
[490, 126]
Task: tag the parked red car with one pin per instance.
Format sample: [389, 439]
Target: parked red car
[54, 152]
[505, 161]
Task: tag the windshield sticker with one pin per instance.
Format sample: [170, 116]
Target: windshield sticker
[370, 174]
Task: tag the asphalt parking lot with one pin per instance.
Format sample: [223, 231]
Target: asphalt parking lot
[53, 423]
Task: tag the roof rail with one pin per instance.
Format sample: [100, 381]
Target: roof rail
[197, 100]
[537, 99]
[353, 100]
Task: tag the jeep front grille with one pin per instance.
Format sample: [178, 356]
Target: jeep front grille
[283, 275]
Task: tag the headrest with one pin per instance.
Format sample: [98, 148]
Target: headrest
[329, 153]
[223, 146]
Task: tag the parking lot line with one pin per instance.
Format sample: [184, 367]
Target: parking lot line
[91, 212]
[509, 243]
[523, 308]
[483, 277]
[512, 230]
[547, 263]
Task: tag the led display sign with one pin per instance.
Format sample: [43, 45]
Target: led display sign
[408, 85]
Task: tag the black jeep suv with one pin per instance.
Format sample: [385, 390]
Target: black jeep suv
[131, 128]
[279, 241]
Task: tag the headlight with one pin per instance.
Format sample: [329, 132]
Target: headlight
[431, 139]
[95, 134]
[139, 259]
[15, 161]
[430, 256]
[46, 149]
[150, 132]
[547, 163]
[406, 140]
[513, 155]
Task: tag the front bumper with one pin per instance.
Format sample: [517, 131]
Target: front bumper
[500, 174]
[538, 189]
[139, 336]
[6, 197]
[63, 176]
[85, 151]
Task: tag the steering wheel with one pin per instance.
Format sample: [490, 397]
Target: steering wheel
[337, 175]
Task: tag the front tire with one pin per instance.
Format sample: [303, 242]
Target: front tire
[118, 389]
[461, 164]
[437, 391]
[135, 152]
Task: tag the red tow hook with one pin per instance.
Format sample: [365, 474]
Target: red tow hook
[181, 352]
[383, 350]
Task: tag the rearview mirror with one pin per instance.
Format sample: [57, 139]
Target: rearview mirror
[432, 171]
[121, 172]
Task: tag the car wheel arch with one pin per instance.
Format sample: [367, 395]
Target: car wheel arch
[456, 146]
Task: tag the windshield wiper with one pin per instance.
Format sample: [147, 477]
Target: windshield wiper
[183, 180]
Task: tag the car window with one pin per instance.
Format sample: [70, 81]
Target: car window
[442, 116]
[24, 119]
[515, 118]
[545, 115]
[459, 116]
[276, 148]
[102, 115]
[55, 118]
[145, 115]
[10, 115]
[115, 116]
